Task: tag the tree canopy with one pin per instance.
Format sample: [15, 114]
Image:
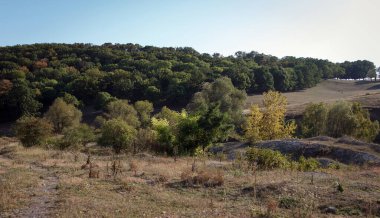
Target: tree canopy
[32, 76]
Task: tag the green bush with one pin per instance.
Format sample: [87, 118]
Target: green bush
[288, 203]
[307, 164]
[77, 136]
[32, 130]
[267, 158]
[117, 134]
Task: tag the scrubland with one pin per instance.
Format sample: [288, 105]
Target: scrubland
[43, 182]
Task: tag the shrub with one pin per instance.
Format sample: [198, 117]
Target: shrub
[99, 121]
[267, 158]
[76, 136]
[32, 130]
[288, 203]
[117, 134]
[341, 118]
[308, 164]
[146, 139]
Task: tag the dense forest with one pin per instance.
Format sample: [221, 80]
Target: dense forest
[33, 76]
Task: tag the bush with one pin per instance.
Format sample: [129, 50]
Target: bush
[32, 130]
[121, 109]
[146, 139]
[288, 203]
[117, 134]
[267, 158]
[77, 136]
[308, 164]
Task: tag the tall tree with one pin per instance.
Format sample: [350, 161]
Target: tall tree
[222, 92]
[269, 123]
[63, 115]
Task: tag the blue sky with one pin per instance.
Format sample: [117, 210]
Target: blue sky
[332, 29]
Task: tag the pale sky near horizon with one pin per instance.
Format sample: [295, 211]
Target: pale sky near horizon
[337, 30]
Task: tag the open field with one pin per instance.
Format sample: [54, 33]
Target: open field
[366, 92]
[50, 183]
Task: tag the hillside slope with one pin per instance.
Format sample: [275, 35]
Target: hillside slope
[368, 93]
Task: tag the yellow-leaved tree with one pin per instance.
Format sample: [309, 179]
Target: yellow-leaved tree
[269, 123]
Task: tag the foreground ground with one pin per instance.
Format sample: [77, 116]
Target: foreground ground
[366, 92]
[50, 183]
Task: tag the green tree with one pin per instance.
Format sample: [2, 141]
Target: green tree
[372, 74]
[116, 133]
[63, 115]
[340, 120]
[314, 120]
[264, 79]
[166, 135]
[20, 100]
[102, 100]
[71, 99]
[365, 129]
[213, 126]
[32, 130]
[222, 92]
[173, 117]
[144, 110]
[188, 135]
[123, 110]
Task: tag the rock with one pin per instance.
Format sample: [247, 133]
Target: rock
[330, 209]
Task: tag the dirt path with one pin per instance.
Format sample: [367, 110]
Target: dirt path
[45, 195]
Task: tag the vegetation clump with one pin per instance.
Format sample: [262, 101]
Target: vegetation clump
[63, 115]
[32, 130]
[77, 136]
[339, 119]
[267, 159]
[116, 133]
[269, 123]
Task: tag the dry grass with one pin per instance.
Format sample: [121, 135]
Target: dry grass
[368, 93]
[156, 189]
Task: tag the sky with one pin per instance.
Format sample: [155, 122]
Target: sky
[337, 30]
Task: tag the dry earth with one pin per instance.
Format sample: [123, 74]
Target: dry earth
[50, 183]
[366, 92]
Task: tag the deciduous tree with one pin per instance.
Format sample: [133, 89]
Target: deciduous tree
[269, 122]
[63, 115]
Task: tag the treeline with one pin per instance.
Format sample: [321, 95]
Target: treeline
[32, 76]
[213, 115]
[210, 117]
